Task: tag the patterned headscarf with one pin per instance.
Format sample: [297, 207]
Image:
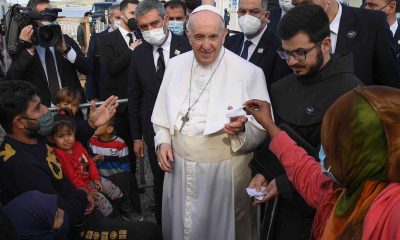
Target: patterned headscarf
[361, 138]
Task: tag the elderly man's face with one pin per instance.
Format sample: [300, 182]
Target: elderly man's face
[206, 35]
[116, 15]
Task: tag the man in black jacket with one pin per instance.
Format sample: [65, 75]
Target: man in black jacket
[116, 51]
[48, 69]
[146, 72]
[366, 35]
[389, 7]
[300, 101]
[95, 80]
[258, 45]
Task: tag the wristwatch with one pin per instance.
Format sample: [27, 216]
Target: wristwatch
[25, 44]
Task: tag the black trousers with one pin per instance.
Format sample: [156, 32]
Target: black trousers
[158, 174]
[123, 131]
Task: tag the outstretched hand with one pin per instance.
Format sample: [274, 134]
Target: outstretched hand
[101, 115]
[261, 111]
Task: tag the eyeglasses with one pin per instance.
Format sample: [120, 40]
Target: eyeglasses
[299, 55]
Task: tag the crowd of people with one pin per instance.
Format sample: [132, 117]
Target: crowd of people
[300, 108]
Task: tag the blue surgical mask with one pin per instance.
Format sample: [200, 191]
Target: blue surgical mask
[176, 27]
[44, 124]
[326, 172]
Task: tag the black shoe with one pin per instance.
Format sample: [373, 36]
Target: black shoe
[127, 212]
[132, 216]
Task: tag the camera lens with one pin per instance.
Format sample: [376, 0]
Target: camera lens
[47, 35]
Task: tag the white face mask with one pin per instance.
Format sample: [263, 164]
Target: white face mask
[249, 24]
[286, 5]
[116, 24]
[155, 37]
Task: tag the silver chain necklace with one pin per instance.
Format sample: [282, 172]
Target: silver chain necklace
[186, 118]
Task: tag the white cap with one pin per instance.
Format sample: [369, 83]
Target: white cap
[208, 8]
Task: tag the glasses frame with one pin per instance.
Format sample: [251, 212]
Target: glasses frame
[301, 54]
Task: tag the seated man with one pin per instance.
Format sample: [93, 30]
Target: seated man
[27, 163]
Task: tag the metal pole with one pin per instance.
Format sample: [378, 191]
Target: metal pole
[88, 105]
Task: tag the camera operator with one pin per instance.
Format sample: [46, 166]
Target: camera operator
[51, 68]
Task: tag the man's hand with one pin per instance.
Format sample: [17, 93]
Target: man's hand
[257, 182]
[26, 33]
[62, 46]
[271, 192]
[101, 115]
[236, 124]
[58, 219]
[165, 157]
[138, 148]
[135, 43]
[261, 111]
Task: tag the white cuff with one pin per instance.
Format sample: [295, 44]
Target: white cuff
[248, 140]
[162, 136]
[71, 55]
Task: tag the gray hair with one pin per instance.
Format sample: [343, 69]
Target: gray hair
[147, 5]
[112, 9]
[189, 22]
[264, 4]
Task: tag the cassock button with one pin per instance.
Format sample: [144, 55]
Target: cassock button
[398, 42]
[351, 34]
[260, 50]
[310, 110]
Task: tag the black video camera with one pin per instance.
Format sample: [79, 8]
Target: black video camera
[47, 32]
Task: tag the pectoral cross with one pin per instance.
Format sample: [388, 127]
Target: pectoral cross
[184, 119]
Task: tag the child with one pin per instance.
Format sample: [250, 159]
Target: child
[112, 149]
[80, 169]
[68, 98]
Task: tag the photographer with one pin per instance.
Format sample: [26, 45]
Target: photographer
[51, 68]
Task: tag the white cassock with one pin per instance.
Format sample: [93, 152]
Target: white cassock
[204, 197]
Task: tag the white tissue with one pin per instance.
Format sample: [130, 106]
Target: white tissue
[257, 195]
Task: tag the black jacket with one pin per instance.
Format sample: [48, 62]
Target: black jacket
[115, 57]
[29, 68]
[366, 34]
[95, 80]
[274, 18]
[397, 41]
[264, 55]
[301, 105]
[144, 84]
[27, 167]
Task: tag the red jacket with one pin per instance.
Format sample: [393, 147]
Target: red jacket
[78, 167]
[383, 216]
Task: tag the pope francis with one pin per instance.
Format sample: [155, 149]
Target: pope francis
[204, 153]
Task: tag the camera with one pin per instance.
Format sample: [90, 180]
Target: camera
[47, 32]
